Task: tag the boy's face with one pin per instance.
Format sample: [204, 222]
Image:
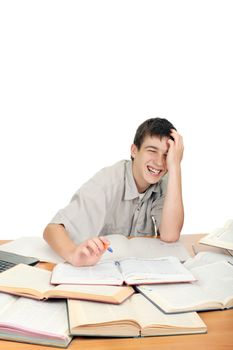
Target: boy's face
[149, 164]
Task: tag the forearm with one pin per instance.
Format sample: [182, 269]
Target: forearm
[173, 210]
[58, 238]
[86, 253]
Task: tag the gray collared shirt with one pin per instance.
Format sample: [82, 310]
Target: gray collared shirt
[110, 203]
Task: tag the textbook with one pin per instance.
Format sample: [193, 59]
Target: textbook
[130, 271]
[33, 321]
[34, 282]
[143, 247]
[134, 318]
[221, 237]
[213, 290]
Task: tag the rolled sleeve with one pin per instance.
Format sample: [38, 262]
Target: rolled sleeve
[84, 216]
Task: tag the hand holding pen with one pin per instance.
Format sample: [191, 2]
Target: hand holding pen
[89, 252]
[107, 246]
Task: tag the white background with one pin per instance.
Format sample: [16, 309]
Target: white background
[78, 77]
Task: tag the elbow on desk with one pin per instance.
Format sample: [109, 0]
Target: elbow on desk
[46, 233]
[170, 234]
[171, 238]
[49, 232]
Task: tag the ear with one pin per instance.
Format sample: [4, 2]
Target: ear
[134, 150]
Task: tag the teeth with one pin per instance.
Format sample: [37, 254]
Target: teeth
[154, 171]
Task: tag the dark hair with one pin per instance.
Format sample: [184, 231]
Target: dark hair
[160, 127]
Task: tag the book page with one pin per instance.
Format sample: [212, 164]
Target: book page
[229, 224]
[5, 301]
[220, 237]
[177, 297]
[149, 316]
[218, 279]
[120, 247]
[159, 270]
[40, 317]
[143, 247]
[135, 313]
[204, 258]
[32, 246]
[89, 313]
[102, 273]
[213, 287]
[26, 277]
[155, 248]
[102, 319]
[223, 235]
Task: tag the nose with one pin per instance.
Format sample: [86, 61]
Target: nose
[159, 160]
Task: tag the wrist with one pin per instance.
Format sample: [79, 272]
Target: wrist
[70, 256]
[175, 169]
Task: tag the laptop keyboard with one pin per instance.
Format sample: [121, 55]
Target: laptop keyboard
[8, 260]
[5, 265]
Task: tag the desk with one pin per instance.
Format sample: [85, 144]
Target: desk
[219, 324]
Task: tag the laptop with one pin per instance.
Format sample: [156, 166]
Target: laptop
[8, 260]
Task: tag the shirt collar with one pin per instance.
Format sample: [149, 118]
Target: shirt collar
[131, 191]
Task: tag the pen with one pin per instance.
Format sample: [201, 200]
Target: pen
[155, 227]
[110, 249]
[106, 246]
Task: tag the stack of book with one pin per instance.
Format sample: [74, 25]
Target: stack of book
[33, 321]
[124, 295]
[93, 310]
[102, 300]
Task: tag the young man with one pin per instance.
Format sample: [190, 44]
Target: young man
[141, 196]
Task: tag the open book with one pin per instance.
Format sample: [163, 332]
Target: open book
[130, 271]
[221, 237]
[134, 318]
[34, 321]
[213, 290]
[143, 247]
[34, 282]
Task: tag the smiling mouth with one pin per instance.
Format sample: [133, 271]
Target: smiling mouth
[153, 171]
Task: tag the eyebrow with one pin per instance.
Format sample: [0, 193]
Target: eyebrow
[155, 148]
